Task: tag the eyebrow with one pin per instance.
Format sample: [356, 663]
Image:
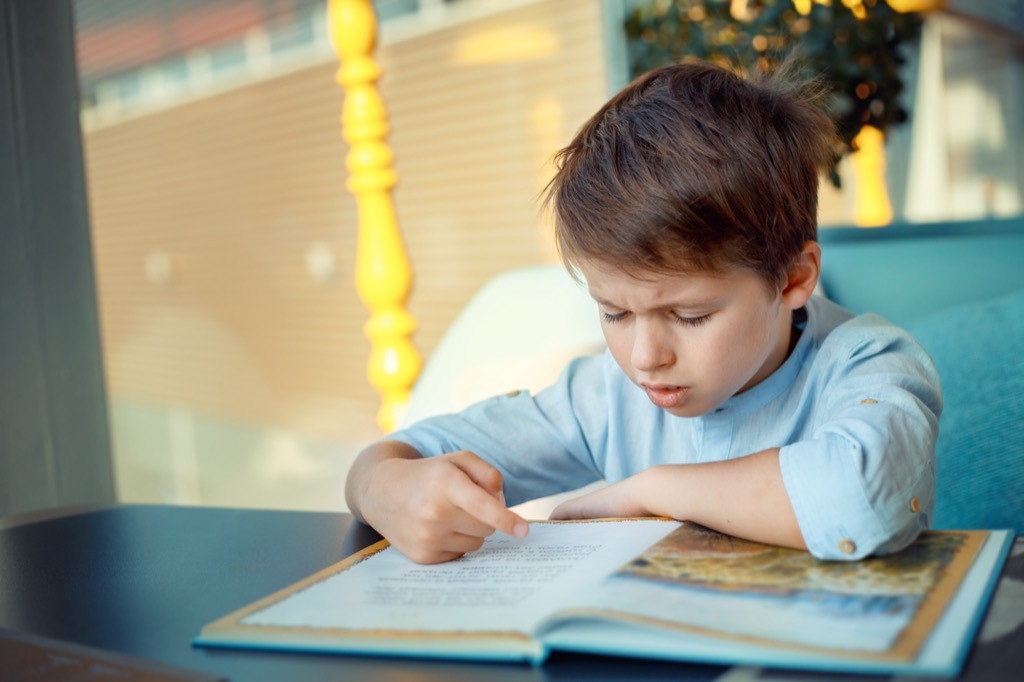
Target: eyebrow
[696, 304]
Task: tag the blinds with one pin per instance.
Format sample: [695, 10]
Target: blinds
[225, 237]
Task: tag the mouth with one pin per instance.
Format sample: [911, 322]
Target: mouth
[665, 396]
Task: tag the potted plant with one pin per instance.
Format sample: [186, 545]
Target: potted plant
[854, 46]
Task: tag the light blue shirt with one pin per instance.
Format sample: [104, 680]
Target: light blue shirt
[855, 410]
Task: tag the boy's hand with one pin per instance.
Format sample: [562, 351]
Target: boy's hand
[437, 508]
[619, 500]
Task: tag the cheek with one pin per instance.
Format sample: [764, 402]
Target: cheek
[619, 345]
[752, 340]
[719, 358]
[735, 346]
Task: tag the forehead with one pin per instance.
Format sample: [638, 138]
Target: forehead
[614, 285]
[605, 280]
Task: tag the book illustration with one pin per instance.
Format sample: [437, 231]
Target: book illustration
[694, 555]
[878, 606]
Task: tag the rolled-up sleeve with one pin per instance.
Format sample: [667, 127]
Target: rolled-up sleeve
[864, 481]
[538, 443]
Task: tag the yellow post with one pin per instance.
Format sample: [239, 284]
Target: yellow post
[917, 5]
[872, 206]
[383, 272]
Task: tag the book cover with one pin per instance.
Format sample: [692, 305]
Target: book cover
[642, 587]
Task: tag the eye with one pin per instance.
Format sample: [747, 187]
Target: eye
[692, 321]
[613, 318]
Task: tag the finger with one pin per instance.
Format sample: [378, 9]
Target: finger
[428, 555]
[480, 472]
[489, 479]
[476, 502]
[451, 547]
[467, 524]
[457, 542]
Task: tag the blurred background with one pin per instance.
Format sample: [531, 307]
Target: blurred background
[224, 238]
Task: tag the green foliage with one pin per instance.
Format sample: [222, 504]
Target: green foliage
[857, 59]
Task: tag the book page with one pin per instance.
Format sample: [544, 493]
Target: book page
[509, 584]
[711, 583]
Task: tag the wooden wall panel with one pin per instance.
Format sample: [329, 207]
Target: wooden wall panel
[221, 199]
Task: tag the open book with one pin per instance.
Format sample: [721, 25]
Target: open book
[642, 587]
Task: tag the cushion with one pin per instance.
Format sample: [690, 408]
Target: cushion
[518, 332]
[979, 352]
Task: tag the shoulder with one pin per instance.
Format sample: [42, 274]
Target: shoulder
[867, 351]
[840, 335]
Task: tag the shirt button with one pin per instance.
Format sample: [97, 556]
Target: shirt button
[513, 394]
[868, 401]
[915, 505]
[847, 546]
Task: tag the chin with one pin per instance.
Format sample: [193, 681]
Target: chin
[688, 411]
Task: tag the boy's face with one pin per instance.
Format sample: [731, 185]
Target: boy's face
[691, 341]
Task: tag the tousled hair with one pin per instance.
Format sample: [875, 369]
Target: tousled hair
[694, 168]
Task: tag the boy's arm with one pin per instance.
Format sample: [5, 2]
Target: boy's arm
[744, 497]
[861, 483]
[432, 509]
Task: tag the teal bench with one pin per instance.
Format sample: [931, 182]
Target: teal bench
[959, 288]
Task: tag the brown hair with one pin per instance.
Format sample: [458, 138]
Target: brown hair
[694, 168]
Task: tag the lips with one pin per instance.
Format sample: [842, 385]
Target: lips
[665, 397]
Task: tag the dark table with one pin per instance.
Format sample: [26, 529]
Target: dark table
[142, 580]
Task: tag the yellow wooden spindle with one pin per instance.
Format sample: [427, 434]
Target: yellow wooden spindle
[917, 5]
[383, 272]
[872, 206]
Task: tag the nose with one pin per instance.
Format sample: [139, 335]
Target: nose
[651, 346]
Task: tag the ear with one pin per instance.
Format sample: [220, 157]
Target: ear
[802, 276]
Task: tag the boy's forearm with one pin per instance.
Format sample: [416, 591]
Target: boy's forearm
[362, 469]
[744, 497]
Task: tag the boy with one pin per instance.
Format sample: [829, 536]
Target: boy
[729, 396]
